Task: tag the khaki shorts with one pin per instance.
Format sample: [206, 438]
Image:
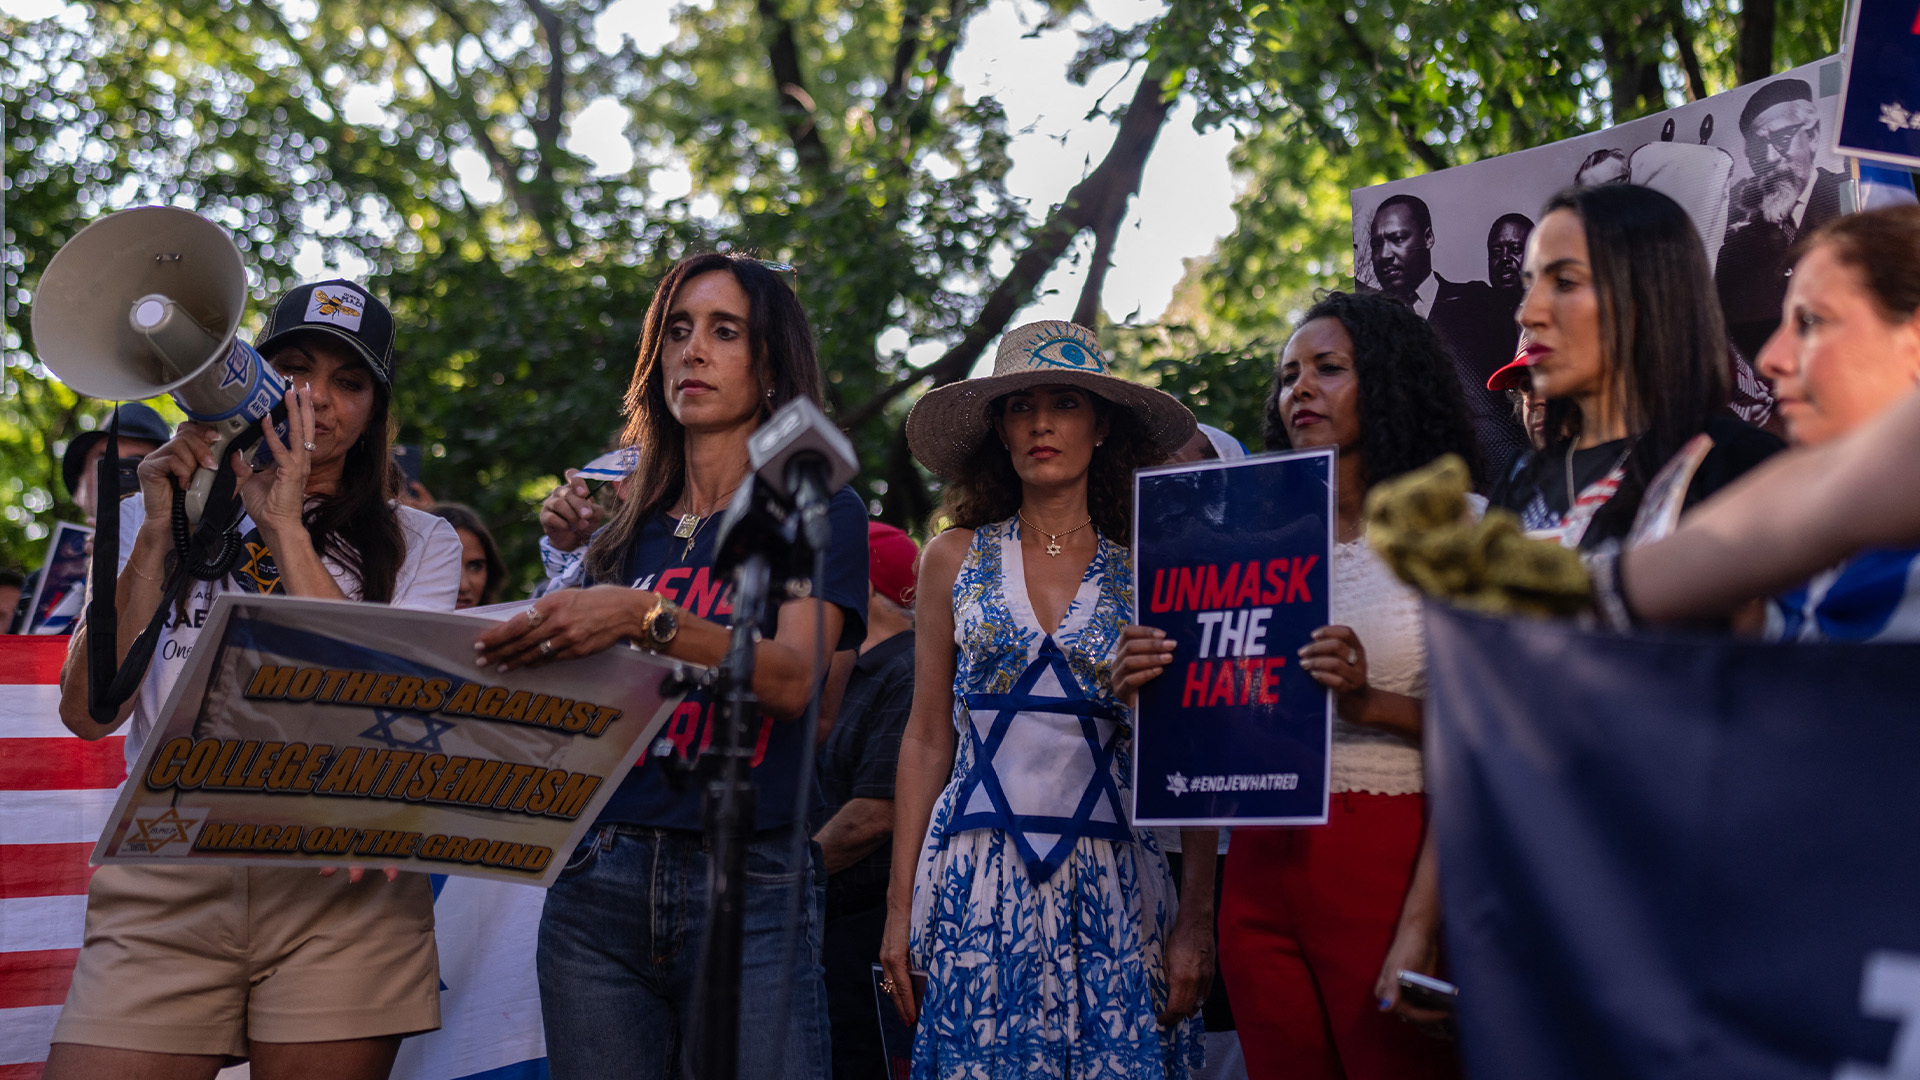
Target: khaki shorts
[203, 959]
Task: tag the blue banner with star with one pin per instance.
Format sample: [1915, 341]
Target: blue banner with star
[324, 732]
[1675, 856]
[1231, 560]
[1880, 97]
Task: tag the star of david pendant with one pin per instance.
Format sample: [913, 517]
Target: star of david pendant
[1053, 547]
[688, 523]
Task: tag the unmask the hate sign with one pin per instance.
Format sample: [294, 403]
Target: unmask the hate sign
[1231, 560]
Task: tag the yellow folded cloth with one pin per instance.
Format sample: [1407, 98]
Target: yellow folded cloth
[1420, 524]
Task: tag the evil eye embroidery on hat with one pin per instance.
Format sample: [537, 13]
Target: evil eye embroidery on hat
[1067, 352]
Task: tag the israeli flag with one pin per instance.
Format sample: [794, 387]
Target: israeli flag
[489, 996]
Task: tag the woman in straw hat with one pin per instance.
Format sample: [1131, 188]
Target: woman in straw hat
[1045, 923]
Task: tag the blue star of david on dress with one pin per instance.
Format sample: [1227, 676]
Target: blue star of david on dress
[1044, 768]
[382, 730]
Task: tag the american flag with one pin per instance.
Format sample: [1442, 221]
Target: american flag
[56, 792]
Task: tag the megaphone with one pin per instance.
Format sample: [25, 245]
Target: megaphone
[148, 301]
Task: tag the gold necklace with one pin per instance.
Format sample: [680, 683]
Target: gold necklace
[691, 524]
[1053, 539]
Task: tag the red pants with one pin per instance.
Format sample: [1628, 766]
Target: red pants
[1306, 917]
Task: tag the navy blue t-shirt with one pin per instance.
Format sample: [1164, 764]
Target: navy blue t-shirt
[661, 562]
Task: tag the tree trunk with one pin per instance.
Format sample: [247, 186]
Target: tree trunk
[1114, 180]
[1753, 53]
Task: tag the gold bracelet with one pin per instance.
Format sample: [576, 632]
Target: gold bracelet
[135, 567]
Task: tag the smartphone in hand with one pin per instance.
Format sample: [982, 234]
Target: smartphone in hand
[1427, 992]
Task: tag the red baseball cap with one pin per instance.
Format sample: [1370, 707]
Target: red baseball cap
[1516, 374]
[891, 554]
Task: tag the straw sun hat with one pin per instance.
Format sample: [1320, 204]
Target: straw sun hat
[949, 425]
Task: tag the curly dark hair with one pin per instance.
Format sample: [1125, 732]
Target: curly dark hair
[1412, 409]
[989, 489]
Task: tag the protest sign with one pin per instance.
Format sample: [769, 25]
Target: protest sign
[1753, 168]
[1231, 560]
[61, 588]
[322, 732]
[1880, 97]
[1675, 857]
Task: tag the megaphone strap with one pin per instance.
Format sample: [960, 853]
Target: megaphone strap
[208, 554]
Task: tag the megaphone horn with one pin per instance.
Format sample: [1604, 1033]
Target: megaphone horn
[148, 301]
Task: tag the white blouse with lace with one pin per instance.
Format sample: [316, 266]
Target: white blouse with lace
[1385, 613]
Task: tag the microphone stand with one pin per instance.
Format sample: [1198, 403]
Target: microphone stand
[730, 813]
[759, 538]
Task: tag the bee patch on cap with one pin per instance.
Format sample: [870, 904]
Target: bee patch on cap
[333, 304]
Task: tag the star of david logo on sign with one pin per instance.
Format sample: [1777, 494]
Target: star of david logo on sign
[341, 307]
[1042, 747]
[1067, 352]
[158, 832]
[1177, 783]
[382, 730]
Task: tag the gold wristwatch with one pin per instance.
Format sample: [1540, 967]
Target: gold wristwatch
[661, 624]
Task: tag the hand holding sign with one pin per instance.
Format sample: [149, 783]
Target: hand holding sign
[1336, 660]
[1144, 653]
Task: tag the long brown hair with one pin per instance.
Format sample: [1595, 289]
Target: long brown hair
[988, 489]
[782, 344]
[1661, 331]
[462, 516]
[356, 526]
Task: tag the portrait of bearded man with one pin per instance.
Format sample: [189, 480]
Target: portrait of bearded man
[1786, 196]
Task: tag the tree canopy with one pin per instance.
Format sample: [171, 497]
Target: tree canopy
[431, 139]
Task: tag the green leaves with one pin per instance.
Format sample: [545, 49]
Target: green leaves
[435, 141]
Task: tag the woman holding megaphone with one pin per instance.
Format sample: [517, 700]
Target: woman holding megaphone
[185, 969]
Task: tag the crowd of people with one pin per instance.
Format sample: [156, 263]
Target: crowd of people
[1023, 926]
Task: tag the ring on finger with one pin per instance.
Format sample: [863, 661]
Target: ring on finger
[310, 447]
[886, 986]
[546, 647]
[1353, 656]
[533, 617]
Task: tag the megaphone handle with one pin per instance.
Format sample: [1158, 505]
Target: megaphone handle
[238, 438]
[197, 494]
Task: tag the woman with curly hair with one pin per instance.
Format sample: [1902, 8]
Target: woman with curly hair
[1044, 921]
[1315, 922]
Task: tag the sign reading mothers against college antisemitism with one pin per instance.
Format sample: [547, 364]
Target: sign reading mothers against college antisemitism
[1753, 167]
[1231, 560]
[324, 732]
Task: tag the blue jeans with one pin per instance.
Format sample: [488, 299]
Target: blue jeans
[621, 941]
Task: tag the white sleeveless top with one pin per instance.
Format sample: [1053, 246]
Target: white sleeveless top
[1385, 613]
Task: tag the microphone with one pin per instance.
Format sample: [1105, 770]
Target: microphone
[803, 459]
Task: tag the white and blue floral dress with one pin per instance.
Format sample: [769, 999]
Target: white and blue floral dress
[1039, 913]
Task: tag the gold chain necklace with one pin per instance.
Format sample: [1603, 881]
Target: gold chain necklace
[1053, 539]
[691, 524]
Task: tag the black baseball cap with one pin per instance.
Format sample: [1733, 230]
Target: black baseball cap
[340, 309]
[137, 421]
